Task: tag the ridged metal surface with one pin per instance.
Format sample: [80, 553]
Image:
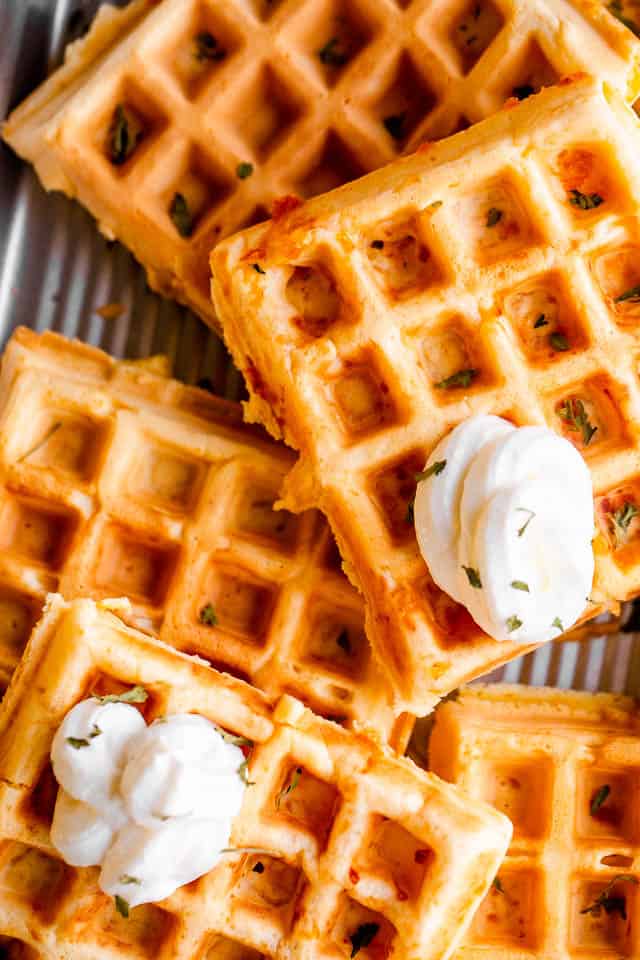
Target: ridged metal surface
[56, 271]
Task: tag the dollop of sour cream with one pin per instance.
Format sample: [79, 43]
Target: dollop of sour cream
[152, 806]
[504, 521]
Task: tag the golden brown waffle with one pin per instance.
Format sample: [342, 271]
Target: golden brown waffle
[361, 837]
[545, 757]
[230, 105]
[367, 301]
[117, 481]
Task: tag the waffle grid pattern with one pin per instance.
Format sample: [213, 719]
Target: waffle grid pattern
[388, 292]
[543, 758]
[233, 105]
[115, 481]
[365, 837]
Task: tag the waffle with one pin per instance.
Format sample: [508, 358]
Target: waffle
[228, 106]
[118, 481]
[362, 837]
[369, 302]
[545, 757]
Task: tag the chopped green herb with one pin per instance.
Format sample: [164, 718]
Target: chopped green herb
[513, 623]
[409, 516]
[585, 201]
[557, 623]
[243, 773]
[541, 321]
[123, 137]
[363, 936]
[126, 879]
[523, 91]
[394, 125]
[494, 216]
[258, 867]
[207, 47]
[122, 907]
[524, 526]
[435, 205]
[377, 244]
[293, 783]
[624, 515]
[134, 695]
[573, 413]
[331, 54]
[497, 885]
[208, 615]
[181, 216]
[463, 378]
[343, 641]
[433, 471]
[608, 903]
[559, 342]
[244, 170]
[632, 295]
[520, 585]
[237, 741]
[50, 432]
[473, 576]
[77, 743]
[599, 797]
[258, 268]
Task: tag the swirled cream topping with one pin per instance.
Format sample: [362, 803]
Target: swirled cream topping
[152, 806]
[504, 521]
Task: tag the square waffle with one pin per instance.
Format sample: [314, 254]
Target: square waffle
[117, 481]
[546, 759]
[372, 320]
[364, 837]
[178, 122]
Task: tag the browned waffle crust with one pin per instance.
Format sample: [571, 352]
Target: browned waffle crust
[115, 481]
[545, 758]
[370, 299]
[365, 837]
[230, 105]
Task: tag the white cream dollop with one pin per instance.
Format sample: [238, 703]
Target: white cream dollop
[152, 806]
[510, 508]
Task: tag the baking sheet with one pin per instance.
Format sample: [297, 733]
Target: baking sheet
[56, 271]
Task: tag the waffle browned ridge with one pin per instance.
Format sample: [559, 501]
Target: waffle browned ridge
[116, 481]
[365, 837]
[389, 311]
[563, 766]
[177, 123]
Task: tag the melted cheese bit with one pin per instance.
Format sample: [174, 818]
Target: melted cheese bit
[506, 525]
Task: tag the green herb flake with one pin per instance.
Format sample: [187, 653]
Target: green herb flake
[623, 516]
[123, 137]
[558, 342]
[520, 585]
[573, 413]
[331, 54]
[523, 91]
[433, 471]
[513, 623]
[585, 201]
[362, 937]
[611, 904]
[494, 216]
[394, 125]
[293, 783]
[557, 623]
[600, 796]
[632, 295]
[541, 321]
[77, 743]
[206, 47]
[523, 528]
[122, 906]
[244, 170]
[497, 885]
[208, 615]
[258, 269]
[473, 576]
[181, 216]
[136, 694]
[463, 378]
[243, 773]
[126, 879]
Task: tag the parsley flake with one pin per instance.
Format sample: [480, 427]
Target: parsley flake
[608, 903]
[331, 54]
[258, 269]
[127, 879]
[243, 773]
[632, 295]
[520, 585]
[207, 47]
[463, 378]
[513, 623]
[541, 321]
[181, 216]
[394, 125]
[623, 516]
[77, 742]
[585, 201]
[559, 342]
[599, 797]
[433, 471]
[122, 906]
[497, 885]
[123, 137]
[557, 623]
[208, 615]
[573, 413]
[494, 216]
[473, 576]
[524, 526]
[293, 783]
[362, 937]
[244, 170]
[136, 694]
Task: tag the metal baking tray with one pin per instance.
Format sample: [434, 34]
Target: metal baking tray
[56, 271]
